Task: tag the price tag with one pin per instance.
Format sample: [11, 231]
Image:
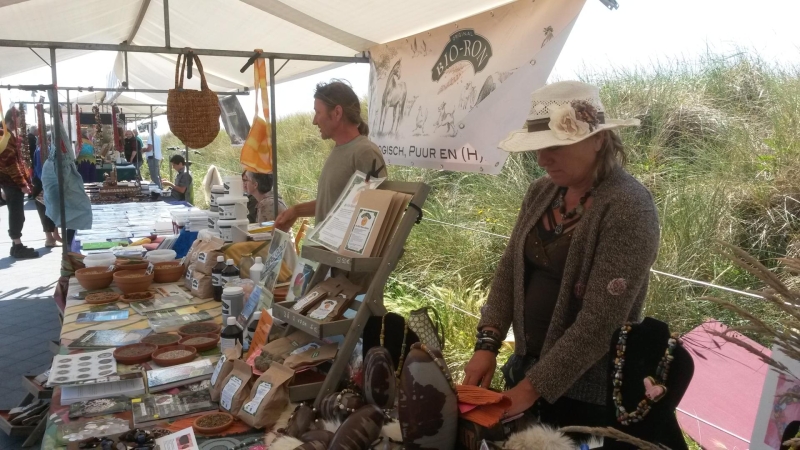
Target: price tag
[149, 270]
[111, 268]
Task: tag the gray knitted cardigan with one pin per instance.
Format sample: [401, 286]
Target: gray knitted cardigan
[604, 285]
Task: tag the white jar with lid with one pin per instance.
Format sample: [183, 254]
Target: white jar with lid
[234, 185]
[230, 207]
[226, 228]
[217, 191]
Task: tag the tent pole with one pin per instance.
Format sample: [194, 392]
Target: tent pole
[274, 124]
[166, 23]
[56, 117]
[156, 161]
[69, 119]
[127, 83]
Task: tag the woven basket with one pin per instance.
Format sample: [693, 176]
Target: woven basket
[193, 116]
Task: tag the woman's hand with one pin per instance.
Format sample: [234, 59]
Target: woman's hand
[480, 369]
[522, 396]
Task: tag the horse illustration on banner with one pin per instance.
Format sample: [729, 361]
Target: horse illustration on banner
[394, 96]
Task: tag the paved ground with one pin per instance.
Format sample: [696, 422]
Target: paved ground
[28, 315]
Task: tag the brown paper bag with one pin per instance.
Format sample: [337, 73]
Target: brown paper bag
[326, 288]
[204, 252]
[311, 357]
[222, 369]
[235, 387]
[268, 397]
[187, 277]
[281, 348]
[201, 285]
[333, 307]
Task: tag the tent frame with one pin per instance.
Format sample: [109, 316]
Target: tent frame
[251, 55]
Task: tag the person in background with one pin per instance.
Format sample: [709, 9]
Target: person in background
[153, 151]
[85, 160]
[337, 114]
[182, 188]
[252, 203]
[52, 236]
[133, 151]
[15, 184]
[576, 267]
[259, 185]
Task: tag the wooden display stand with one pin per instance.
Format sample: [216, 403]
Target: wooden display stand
[378, 269]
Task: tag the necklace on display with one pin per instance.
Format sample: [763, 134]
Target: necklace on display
[561, 205]
[655, 388]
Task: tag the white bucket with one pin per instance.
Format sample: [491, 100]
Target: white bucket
[213, 217]
[160, 255]
[226, 228]
[233, 185]
[230, 207]
[217, 191]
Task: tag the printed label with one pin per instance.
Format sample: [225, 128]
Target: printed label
[310, 346]
[361, 231]
[225, 343]
[229, 391]
[189, 273]
[216, 279]
[202, 256]
[217, 369]
[183, 261]
[195, 284]
[324, 309]
[306, 300]
[225, 233]
[252, 406]
[226, 307]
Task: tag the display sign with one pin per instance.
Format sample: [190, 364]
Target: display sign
[444, 99]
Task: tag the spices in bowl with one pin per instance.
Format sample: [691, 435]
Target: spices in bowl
[137, 297]
[93, 278]
[201, 342]
[161, 339]
[101, 298]
[193, 329]
[168, 271]
[134, 353]
[213, 423]
[174, 354]
[130, 281]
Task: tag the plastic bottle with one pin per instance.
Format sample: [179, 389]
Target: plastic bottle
[229, 273]
[256, 270]
[232, 302]
[251, 330]
[216, 278]
[230, 334]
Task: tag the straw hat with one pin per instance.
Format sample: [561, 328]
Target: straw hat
[562, 113]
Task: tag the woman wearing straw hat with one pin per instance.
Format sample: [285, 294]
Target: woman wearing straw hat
[577, 264]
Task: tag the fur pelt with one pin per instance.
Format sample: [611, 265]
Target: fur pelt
[285, 443]
[212, 178]
[539, 437]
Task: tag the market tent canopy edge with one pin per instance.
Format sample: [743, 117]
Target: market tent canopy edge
[344, 28]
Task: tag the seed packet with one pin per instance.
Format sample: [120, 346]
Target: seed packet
[222, 369]
[311, 357]
[268, 397]
[281, 348]
[235, 387]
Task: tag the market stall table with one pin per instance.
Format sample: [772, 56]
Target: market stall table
[72, 330]
[124, 173]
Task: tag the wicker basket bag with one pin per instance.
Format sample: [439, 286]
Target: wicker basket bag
[193, 116]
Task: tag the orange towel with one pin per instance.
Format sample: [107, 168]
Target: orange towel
[491, 405]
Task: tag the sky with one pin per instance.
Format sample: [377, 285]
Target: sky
[639, 34]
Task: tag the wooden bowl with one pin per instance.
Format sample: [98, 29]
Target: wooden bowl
[134, 353]
[225, 423]
[210, 341]
[101, 298]
[131, 264]
[161, 340]
[135, 297]
[194, 329]
[92, 278]
[130, 281]
[163, 358]
[168, 271]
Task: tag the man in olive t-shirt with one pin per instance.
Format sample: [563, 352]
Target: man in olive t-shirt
[337, 114]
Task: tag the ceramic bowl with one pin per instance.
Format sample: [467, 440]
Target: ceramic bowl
[137, 297]
[134, 353]
[224, 422]
[102, 298]
[174, 355]
[193, 329]
[168, 272]
[202, 342]
[131, 264]
[92, 278]
[130, 281]
[161, 340]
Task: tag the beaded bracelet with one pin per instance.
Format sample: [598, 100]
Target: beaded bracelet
[494, 348]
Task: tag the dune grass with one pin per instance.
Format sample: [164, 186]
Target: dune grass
[719, 149]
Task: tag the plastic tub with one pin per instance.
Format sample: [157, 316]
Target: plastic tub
[233, 185]
[217, 191]
[213, 217]
[99, 260]
[232, 208]
[160, 255]
[226, 228]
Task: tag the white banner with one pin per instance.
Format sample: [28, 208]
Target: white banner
[444, 99]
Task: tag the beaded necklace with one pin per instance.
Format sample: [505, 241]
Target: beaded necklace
[655, 388]
[561, 205]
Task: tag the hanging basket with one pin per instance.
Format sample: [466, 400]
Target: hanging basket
[193, 116]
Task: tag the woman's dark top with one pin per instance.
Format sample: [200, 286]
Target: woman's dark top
[545, 257]
[132, 145]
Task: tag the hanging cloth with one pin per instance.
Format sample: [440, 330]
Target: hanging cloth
[256, 155]
[6, 135]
